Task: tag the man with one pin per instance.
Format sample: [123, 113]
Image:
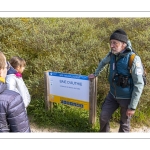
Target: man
[13, 116]
[125, 87]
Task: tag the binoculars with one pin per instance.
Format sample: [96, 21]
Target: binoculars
[121, 80]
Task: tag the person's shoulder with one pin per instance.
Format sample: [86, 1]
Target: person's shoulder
[109, 54]
[10, 76]
[9, 95]
[13, 77]
[137, 58]
[11, 101]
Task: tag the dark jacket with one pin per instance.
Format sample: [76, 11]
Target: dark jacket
[13, 116]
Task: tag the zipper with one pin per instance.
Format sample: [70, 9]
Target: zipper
[117, 58]
[114, 86]
[114, 72]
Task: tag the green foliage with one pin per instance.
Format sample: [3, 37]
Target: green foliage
[68, 118]
[71, 45]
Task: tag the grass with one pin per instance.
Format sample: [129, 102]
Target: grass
[63, 117]
[71, 119]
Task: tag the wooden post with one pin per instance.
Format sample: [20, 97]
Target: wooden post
[92, 100]
[48, 104]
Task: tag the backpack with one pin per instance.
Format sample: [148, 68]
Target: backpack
[130, 65]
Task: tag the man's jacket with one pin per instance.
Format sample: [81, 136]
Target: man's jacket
[119, 65]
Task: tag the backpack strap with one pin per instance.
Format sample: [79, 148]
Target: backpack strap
[132, 56]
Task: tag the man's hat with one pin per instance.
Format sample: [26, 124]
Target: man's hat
[119, 35]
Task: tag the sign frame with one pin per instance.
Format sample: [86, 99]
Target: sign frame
[92, 96]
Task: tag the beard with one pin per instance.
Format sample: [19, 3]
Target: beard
[115, 53]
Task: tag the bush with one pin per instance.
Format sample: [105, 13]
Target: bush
[71, 45]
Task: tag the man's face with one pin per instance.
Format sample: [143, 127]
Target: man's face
[116, 46]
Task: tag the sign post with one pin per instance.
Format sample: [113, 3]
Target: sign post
[93, 100]
[48, 104]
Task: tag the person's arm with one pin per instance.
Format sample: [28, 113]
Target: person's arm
[137, 72]
[102, 64]
[17, 116]
[23, 92]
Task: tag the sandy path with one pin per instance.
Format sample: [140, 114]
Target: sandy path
[35, 128]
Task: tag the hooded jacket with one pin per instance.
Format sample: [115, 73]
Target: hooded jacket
[119, 65]
[17, 84]
[13, 116]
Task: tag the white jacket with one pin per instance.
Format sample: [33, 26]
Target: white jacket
[17, 84]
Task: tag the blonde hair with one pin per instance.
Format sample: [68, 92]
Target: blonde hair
[2, 60]
[16, 61]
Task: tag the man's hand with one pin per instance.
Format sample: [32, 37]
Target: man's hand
[91, 76]
[130, 112]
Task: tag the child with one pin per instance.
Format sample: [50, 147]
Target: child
[15, 81]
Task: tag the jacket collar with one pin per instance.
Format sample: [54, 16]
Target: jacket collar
[2, 79]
